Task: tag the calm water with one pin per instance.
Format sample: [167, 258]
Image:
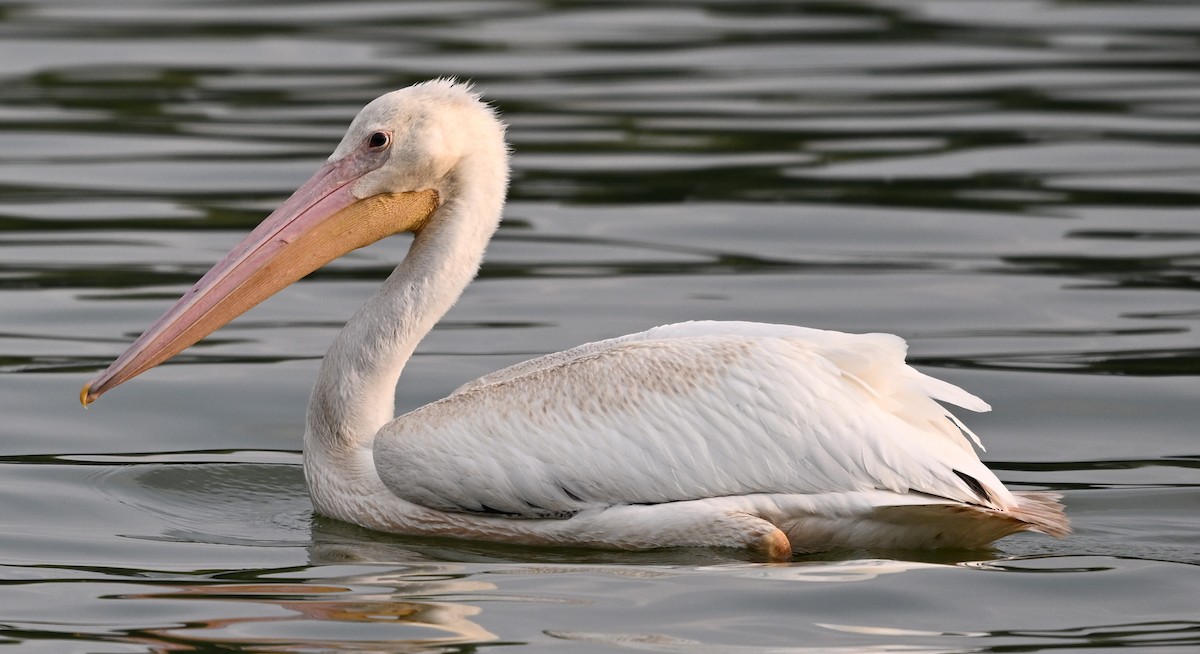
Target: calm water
[1011, 186]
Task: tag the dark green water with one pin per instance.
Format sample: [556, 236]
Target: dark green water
[1014, 187]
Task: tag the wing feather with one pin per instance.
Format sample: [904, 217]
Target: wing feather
[684, 412]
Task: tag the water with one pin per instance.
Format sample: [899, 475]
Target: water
[1011, 186]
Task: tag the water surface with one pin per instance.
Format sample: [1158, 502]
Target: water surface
[1012, 187]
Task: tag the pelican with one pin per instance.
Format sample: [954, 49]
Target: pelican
[771, 438]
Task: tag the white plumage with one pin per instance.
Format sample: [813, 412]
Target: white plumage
[769, 437]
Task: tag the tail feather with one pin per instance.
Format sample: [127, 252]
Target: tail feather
[958, 525]
[1043, 512]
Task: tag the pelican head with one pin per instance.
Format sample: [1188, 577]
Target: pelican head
[416, 138]
[390, 174]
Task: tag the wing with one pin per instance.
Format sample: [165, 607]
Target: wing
[684, 412]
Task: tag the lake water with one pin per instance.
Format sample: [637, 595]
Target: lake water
[1014, 187]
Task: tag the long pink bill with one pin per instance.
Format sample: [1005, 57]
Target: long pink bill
[320, 222]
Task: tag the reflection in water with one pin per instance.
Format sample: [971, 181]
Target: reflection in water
[398, 604]
[1119, 635]
[1138, 635]
[664, 643]
[852, 571]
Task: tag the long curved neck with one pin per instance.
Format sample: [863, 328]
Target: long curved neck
[355, 390]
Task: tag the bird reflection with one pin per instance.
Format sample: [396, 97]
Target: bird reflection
[284, 614]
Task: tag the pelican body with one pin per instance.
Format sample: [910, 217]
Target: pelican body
[773, 438]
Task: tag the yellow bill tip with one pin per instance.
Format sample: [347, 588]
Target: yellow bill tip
[84, 395]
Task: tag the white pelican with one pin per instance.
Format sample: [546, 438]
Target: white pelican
[774, 438]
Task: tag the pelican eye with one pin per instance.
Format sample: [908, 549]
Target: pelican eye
[379, 140]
